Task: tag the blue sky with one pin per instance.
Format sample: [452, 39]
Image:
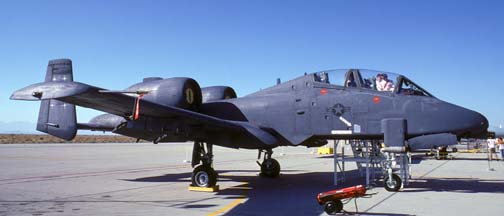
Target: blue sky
[454, 49]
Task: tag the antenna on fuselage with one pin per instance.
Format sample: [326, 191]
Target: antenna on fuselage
[279, 81]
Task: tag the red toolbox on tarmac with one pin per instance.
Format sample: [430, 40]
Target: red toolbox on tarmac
[332, 199]
[349, 192]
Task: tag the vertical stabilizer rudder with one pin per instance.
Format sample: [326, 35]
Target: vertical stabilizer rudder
[56, 117]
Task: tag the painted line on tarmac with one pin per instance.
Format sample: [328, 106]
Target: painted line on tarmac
[246, 187]
[228, 207]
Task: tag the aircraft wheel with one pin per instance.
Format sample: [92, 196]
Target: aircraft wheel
[333, 207]
[270, 168]
[204, 176]
[394, 184]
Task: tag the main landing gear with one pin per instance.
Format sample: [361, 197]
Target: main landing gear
[203, 174]
[269, 167]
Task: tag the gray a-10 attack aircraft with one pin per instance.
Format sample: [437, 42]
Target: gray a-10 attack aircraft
[306, 111]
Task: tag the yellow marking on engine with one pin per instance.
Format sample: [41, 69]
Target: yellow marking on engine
[189, 95]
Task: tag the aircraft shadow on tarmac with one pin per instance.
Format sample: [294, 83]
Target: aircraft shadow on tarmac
[289, 194]
[458, 185]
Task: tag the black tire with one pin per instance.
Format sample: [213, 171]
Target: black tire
[394, 185]
[270, 168]
[333, 207]
[204, 176]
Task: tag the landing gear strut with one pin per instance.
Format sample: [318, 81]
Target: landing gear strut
[392, 182]
[269, 167]
[203, 174]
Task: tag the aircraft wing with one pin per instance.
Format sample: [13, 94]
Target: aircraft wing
[122, 104]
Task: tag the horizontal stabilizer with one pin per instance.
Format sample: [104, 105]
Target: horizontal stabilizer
[49, 90]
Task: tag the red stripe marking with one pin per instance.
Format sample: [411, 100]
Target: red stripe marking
[137, 108]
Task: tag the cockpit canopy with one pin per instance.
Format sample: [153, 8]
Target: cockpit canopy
[370, 79]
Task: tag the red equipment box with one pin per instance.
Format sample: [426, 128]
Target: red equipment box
[349, 192]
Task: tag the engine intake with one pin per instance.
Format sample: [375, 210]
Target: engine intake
[214, 93]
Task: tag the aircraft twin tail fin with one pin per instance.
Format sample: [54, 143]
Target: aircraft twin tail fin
[56, 117]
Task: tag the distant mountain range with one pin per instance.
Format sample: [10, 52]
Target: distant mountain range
[18, 127]
[23, 127]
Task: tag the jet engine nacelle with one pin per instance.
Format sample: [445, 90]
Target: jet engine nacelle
[180, 92]
[214, 93]
[432, 141]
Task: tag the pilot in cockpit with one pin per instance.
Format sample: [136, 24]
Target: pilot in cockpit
[383, 83]
[351, 82]
[380, 82]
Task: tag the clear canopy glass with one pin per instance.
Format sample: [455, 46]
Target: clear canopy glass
[371, 79]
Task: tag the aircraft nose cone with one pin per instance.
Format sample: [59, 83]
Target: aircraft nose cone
[461, 121]
[478, 124]
[483, 121]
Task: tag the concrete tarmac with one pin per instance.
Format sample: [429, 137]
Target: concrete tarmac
[147, 179]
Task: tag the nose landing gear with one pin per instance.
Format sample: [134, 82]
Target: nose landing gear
[392, 182]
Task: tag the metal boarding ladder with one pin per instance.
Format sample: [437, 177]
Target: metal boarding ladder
[367, 156]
